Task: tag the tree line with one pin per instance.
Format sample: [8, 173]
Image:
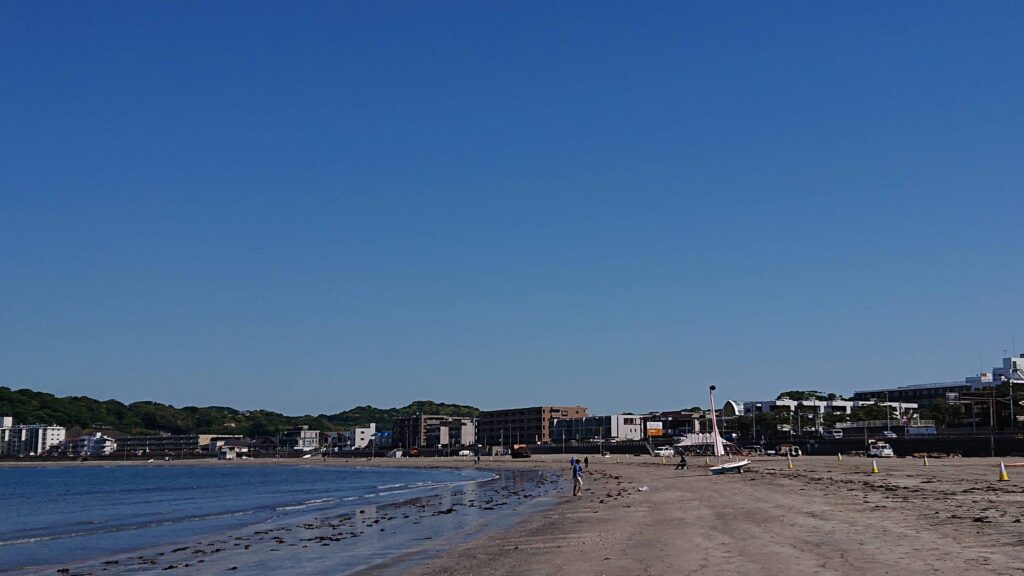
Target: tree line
[139, 418]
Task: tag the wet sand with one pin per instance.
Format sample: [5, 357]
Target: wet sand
[825, 517]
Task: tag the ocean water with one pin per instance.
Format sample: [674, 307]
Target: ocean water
[65, 514]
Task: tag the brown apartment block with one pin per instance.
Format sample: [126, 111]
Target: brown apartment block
[522, 425]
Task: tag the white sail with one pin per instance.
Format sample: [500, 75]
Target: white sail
[719, 448]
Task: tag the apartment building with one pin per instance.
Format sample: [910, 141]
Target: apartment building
[432, 430]
[522, 425]
[28, 439]
[96, 445]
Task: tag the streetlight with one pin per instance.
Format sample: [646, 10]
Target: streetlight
[753, 425]
[1009, 381]
[888, 412]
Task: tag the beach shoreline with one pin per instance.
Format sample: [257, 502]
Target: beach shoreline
[638, 515]
[379, 530]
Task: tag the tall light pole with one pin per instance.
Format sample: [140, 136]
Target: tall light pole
[888, 412]
[753, 425]
[1010, 382]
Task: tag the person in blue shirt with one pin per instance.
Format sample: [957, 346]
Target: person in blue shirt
[577, 479]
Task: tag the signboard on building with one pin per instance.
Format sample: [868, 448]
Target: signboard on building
[654, 429]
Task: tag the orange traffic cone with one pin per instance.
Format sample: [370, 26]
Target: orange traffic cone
[1002, 473]
[874, 466]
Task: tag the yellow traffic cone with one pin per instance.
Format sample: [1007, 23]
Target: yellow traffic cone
[839, 456]
[789, 459]
[662, 459]
[874, 466]
[1002, 473]
[707, 460]
[925, 460]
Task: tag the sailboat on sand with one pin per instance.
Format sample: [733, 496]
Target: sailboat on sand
[736, 466]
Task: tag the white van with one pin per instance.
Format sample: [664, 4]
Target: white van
[880, 450]
[834, 433]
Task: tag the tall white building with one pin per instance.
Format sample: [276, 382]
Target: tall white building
[28, 439]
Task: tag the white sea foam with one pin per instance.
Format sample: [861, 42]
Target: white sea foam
[307, 504]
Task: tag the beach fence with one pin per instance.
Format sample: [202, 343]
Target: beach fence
[974, 445]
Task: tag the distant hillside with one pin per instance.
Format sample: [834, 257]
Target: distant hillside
[30, 407]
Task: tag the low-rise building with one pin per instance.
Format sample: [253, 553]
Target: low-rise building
[614, 427]
[231, 448]
[1011, 370]
[676, 423]
[301, 439]
[159, 443]
[96, 445]
[812, 406]
[363, 436]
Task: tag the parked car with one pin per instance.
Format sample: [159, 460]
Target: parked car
[888, 434]
[880, 450]
[664, 452]
[834, 433]
[754, 449]
[465, 452]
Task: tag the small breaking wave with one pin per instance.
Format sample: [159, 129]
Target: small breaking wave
[306, 504]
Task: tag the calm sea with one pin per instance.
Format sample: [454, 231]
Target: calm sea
[65, 514]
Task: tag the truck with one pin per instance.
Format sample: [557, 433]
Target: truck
[877, 449]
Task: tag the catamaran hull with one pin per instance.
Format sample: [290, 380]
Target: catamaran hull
[730, 468]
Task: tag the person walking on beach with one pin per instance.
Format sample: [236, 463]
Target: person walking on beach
[572, 462]
[682, 463]
[586, 462]
[577, 479]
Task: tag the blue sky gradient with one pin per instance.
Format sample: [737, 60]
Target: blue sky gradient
[306, 207]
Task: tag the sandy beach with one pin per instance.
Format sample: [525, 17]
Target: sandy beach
[640, 516]
[825, 517]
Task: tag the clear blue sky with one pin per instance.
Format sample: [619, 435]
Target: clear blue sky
[306, 207]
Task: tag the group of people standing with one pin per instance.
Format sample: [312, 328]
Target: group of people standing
[577, 466]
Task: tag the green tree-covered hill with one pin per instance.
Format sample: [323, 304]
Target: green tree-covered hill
[31, 407]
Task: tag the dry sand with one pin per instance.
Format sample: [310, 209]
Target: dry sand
[824, 517]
